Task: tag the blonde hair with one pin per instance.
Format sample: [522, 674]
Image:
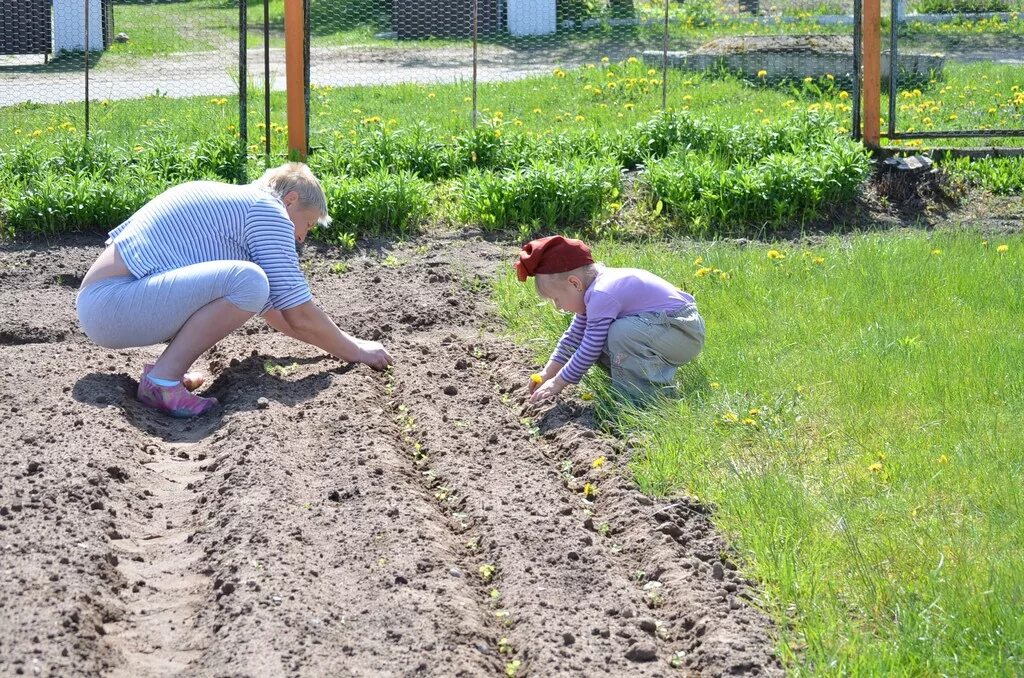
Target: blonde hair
[585, 273]
[296, 176]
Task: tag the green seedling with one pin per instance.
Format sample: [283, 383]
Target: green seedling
[487, 571]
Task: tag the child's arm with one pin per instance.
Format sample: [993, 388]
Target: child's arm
[566, 346]
[593, 340]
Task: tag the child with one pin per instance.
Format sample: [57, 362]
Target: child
[639, 326]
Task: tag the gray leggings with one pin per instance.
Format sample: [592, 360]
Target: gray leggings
[125, 311]
[644, 350]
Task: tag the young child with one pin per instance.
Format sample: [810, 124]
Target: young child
[641, 327]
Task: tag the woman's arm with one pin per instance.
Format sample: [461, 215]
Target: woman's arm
[307, 323]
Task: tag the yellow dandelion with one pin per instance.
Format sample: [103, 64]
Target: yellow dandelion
[599, 462]
[936, 252]
[762, 73]
[1002, 249]
[536, 378]
[819, 260]
[943, 459]
[628, 107]
[715, 385]
[776, 255]
[876, 467]
[730, 417]
[698, 261]
[580, 118]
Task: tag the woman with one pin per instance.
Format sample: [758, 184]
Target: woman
[199, 260]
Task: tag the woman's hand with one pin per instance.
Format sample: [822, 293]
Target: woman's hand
[374, 354]
[548, 390]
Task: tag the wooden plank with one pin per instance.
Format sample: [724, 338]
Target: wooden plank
[294, 37]
[872, 90]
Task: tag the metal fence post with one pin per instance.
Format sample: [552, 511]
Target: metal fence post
[664, 61]
[893, 21]
[243, 87]
[475, 27]
[266, 84]
[86, 69]
[857, 52]
[305, 61]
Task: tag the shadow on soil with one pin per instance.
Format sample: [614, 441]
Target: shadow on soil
[239, 388]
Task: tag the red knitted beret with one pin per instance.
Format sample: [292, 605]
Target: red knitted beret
[554, 254]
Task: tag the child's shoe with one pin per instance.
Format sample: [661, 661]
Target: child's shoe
[174, 400]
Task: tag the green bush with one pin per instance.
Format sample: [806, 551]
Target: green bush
[958, 6]
[74, 201]
[380, 202]
[1002, 176]
[709, 194]
[555, 196]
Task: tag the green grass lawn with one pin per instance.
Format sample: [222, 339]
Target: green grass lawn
[854, 419]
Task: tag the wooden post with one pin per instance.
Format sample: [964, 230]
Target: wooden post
[872, 90]
[294, 21]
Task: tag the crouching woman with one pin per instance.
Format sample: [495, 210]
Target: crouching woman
[199, 260]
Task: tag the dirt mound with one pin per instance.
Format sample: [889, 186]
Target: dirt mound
[779, 44]
[329, 519]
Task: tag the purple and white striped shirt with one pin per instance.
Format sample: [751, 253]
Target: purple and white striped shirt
[615, 292]
[204, 221]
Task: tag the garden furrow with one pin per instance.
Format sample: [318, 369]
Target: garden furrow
[610, 583]
[326, 520]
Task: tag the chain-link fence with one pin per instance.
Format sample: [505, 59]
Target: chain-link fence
[954, 70]
[139, 70]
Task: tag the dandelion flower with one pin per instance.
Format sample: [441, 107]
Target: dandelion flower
[762, 73]
[1002, 249]
[536, 378]
[599, 462]
[875, 468]
[776, 255]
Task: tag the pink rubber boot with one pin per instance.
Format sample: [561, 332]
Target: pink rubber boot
[174, 400]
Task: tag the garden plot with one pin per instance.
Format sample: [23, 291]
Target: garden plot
[329, 519]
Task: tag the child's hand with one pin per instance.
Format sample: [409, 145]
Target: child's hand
[549, 371]
[548, 390]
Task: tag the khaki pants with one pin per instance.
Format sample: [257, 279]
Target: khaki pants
[644, 351]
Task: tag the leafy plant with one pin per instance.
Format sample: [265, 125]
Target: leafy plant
[556, 196]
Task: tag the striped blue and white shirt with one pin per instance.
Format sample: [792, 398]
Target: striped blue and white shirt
[208, 221]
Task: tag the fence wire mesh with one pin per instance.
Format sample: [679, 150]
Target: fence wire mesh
[957, 71]
[139, 71]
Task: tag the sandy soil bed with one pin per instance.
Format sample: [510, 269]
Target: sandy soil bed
[352, 523]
